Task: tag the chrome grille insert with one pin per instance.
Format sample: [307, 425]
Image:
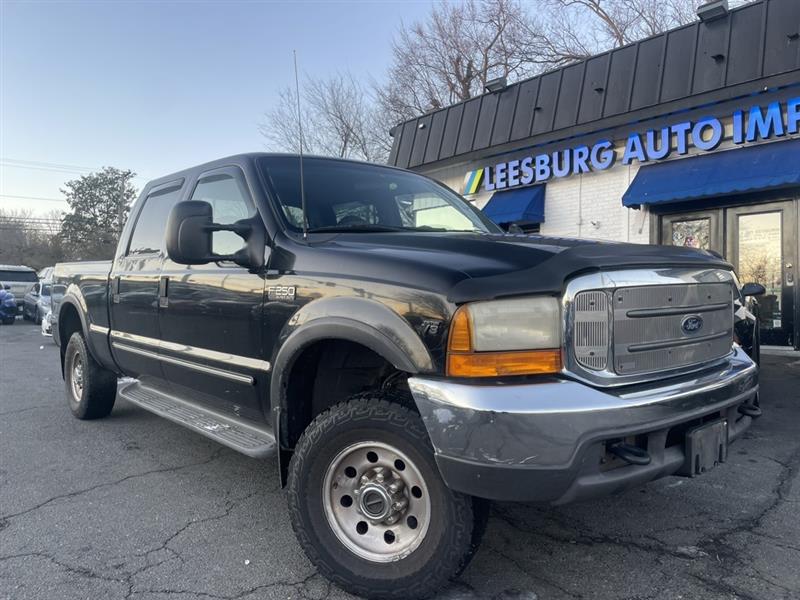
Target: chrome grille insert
[591, 329]
[651, 332]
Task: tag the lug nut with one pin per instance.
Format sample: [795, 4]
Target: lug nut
[364, 480]
[400, 505]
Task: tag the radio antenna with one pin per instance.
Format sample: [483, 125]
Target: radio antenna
[300, 128]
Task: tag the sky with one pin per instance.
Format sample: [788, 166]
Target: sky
[159, 86]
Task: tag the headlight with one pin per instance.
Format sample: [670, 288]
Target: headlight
[519, 336]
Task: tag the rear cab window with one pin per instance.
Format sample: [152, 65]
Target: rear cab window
[149, 230]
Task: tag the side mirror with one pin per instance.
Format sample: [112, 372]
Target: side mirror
[753, 289]
[190, 227]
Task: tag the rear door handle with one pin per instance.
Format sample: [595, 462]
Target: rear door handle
[163, 290]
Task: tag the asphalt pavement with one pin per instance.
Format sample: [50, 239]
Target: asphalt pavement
[136, 507]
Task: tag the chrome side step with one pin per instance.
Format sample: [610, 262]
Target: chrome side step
[242, 436]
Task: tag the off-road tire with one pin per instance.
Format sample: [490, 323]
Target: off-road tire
[94, 397]
[452, 535]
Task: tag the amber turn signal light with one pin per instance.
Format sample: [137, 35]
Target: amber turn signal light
[498, 364]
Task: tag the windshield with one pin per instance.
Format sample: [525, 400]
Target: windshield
[343, 196]
[26, 276]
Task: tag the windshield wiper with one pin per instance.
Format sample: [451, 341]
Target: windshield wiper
[362, 227]
[367, 228]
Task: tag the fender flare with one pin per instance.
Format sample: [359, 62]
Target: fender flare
[359, 320]
[76, 302]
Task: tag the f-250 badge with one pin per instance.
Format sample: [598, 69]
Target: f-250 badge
[281, 292]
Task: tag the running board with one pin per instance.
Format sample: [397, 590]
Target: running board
[244, 437]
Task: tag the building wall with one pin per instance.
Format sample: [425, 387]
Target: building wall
[586, 206]
[589, 205]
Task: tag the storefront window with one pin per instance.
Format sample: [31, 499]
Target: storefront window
[693, 233]
[760, 260]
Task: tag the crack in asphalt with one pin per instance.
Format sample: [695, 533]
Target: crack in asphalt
[214, 456]
[528, 573]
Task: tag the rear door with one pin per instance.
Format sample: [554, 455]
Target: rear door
[211, 315]
[134, 284]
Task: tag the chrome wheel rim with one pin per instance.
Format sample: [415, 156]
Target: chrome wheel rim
[376, 501]
[76, 377]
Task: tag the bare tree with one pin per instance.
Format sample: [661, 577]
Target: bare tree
[451, 55]
[30, 239]
[338, 120]
[576, 29]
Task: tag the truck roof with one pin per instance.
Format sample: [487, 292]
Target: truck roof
[251, 156]
[15, 268]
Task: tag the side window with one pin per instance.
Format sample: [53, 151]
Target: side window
[148, 233]
[230, 201]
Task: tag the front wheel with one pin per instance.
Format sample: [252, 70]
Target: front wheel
[369, 507]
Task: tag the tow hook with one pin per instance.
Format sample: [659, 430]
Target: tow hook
[750, 410]
[630, 454]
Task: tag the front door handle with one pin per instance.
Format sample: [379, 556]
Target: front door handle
[115, 290]
[163, 290]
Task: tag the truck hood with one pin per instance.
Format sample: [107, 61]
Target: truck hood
[486, 266]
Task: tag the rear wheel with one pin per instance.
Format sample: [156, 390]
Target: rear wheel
[91, 389]
[369, 507]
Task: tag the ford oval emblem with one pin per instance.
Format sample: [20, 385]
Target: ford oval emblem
[692, 324]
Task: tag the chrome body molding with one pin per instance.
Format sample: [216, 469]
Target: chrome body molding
[191, 352]
[246, 379]
[612, 280]
[98, 329]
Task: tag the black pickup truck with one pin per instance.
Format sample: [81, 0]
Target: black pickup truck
[403, 358]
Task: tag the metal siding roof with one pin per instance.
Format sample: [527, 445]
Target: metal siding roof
[753, 47]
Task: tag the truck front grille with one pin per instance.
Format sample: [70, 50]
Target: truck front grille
[640, 330]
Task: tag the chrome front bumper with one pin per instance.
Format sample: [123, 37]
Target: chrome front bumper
[545, 441]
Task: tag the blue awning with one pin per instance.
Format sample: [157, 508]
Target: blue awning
[762, 167]
[520, 205]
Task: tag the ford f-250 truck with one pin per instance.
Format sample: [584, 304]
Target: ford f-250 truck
[403, 358]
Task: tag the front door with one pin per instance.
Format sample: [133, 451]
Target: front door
[762, 245]
[210, 316]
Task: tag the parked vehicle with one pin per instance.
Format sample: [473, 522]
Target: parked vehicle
[403, 359]
[36, 303]
[45, 274]
[47, 324]
[20, 279]
[8, 305]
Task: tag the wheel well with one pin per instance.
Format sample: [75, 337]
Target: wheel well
[330, 371]
[68, 323]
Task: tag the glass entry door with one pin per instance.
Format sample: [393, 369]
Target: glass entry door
[762, 244]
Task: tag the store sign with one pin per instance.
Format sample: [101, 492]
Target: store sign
[749, 125]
